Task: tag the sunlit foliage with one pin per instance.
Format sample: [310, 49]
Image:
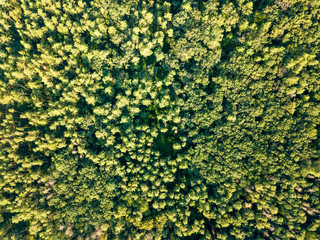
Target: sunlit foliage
[159, 119]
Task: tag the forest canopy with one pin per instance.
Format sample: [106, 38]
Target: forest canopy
[159, 119]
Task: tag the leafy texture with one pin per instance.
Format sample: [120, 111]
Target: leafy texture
[159, 119]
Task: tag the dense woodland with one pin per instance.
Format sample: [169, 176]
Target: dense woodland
[159, 119]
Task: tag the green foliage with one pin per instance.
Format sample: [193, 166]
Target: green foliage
[159, 119]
